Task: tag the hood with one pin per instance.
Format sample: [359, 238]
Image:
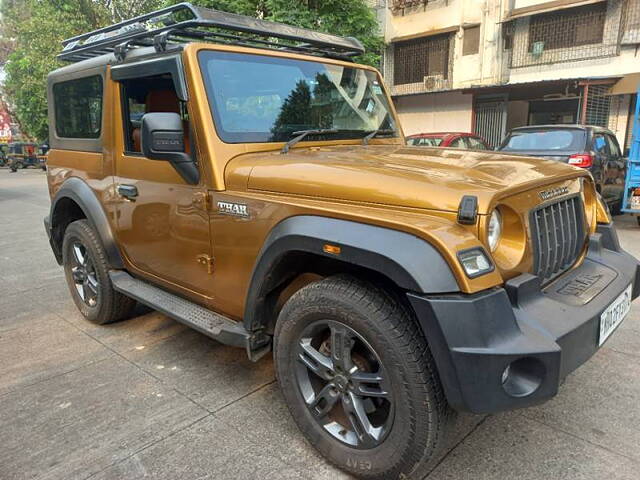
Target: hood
[418, 177]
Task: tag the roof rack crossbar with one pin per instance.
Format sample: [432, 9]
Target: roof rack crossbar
[186, 22]
[250, 42]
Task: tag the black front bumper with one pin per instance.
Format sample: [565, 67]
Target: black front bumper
[543, 334]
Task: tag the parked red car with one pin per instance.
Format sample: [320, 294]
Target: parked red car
[464, 140]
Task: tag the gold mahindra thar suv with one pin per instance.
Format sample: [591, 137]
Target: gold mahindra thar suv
[249, 180]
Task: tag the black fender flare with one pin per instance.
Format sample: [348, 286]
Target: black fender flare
[77, 190]
[409, 261]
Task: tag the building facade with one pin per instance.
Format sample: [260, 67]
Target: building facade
[486, 66]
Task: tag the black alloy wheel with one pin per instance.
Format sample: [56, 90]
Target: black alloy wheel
[87, 274]
[359, 380]
[83, 272]
[344, 384]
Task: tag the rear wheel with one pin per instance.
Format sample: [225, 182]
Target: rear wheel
[359, 379]
[87, 274]
[18, 165]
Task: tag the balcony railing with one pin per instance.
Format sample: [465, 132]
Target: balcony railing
[404, 7]
[580, 33]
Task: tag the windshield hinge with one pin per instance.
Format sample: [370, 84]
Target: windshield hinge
[207, 261]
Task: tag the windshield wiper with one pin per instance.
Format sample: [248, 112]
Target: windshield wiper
[300, 134]
[374, 133]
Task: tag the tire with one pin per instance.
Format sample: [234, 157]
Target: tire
[86, 271]
[18, 165]
[415, 403]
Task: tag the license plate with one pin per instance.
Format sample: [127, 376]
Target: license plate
[614, 314]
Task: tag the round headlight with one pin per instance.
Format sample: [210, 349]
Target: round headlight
[495, 230]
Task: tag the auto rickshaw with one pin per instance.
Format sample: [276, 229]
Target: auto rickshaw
[25, 155]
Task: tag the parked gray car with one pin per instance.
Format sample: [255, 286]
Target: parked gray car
[593, 148]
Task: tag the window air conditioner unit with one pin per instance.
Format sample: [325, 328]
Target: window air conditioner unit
[430, 82]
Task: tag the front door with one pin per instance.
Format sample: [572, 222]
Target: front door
[163, 222]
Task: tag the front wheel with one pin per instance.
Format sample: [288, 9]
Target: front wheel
[359, 379]
[87, 274]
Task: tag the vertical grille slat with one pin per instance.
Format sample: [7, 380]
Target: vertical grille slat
[575, 230]
[554, 244]
[545, 243]
[564, 234]
[572, 228]
[558, 235]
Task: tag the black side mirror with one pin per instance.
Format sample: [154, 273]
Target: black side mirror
[163, 139]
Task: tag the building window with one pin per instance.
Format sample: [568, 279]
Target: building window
[78, 107]
[471, 40]
[567, 28]
[422, 57]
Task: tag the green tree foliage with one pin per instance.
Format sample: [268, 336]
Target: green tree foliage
[32, 30]
[31, 35]
[351, 18]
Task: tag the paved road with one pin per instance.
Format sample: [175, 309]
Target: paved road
[149, 398]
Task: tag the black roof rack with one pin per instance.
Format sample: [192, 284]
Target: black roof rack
[185, 22]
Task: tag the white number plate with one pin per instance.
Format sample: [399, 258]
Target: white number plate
[614, 314]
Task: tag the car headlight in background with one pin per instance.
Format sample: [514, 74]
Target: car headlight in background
[494, 230]
[475, 262]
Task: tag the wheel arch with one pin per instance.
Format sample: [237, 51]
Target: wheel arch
[395, 259]
[73, 201]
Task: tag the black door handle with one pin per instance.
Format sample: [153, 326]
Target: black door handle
[130, 192]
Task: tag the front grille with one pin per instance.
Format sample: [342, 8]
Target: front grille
[558, 236]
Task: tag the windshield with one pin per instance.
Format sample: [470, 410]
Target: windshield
[257, 98]
[569, 139]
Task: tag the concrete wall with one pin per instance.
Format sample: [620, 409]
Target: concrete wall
[488, 66]
[435, 112]
[436, 16]
[468, 70]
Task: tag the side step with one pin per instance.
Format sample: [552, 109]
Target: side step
[214, 325]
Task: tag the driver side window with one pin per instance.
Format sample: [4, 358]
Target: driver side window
[147, 95]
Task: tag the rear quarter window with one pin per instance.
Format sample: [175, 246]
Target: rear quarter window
[78, 107]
